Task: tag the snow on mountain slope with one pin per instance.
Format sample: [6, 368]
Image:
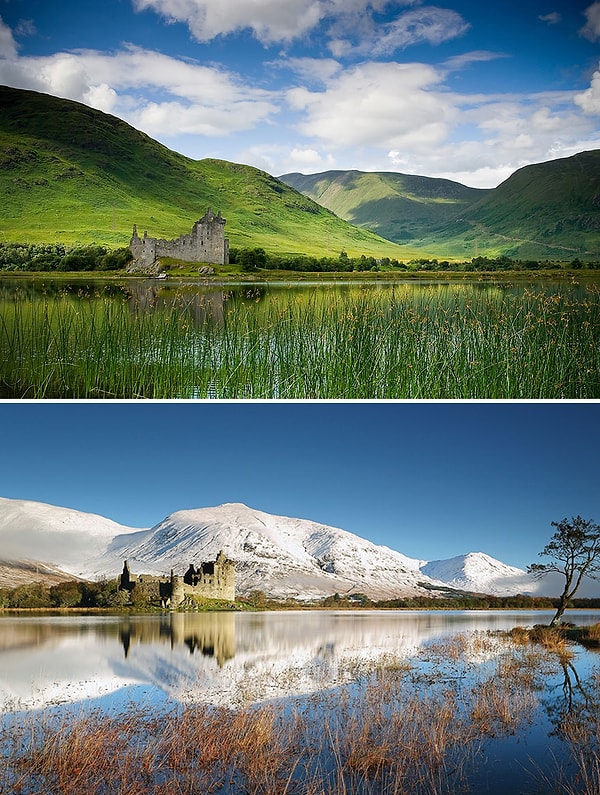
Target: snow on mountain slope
[279, 555]
[61, 536]
[477, 571]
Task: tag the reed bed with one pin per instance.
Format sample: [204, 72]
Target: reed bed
[394, 730]
[400, 343]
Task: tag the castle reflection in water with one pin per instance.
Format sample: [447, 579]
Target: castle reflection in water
[211, 634]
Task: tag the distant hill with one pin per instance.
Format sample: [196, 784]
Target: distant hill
[69, 173]
[547, 210]
[401, 207]
[23, 572]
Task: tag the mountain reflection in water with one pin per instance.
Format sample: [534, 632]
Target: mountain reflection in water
[221, 658]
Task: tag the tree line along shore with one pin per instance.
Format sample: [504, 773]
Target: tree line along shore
[61, 258]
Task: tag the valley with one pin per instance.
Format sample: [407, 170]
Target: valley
[73, 175]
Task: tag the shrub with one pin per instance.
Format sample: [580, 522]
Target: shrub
[83, 259]
[116, 260]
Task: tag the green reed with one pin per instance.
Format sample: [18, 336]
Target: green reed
[438, 342]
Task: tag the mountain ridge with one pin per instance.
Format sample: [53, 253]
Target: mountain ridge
[282, 556]
[398, 206]
[545, 210]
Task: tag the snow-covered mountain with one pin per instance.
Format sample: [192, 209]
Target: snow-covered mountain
[477, 571]
[279, 555]
[60, 536]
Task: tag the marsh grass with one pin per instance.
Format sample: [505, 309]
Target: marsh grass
[400, 343]
[393, 730]
[587, 635]
[554, 639]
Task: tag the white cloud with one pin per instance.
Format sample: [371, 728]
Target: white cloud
[318, 70]
[26, 27]
[377, 104]
[483, 164]
[279, 159]
[591, 29]
[406, 111]
[102, 97]
[286, 20]
[472, 168]
[66, 75]
[8, 45]
[500, 134]
[552, 19]
[425, 24]
[307, 160]
[465, 60]
[154, 92]
[270, 20]
[589, 100]
[175, 118]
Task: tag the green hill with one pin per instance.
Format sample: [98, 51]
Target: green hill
[400, 207]
[69, 173]
[547, 210]
[544, 210]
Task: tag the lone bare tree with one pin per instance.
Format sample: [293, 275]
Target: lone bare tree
[574, 552]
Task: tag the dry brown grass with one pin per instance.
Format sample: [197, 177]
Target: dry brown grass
[590, 636]
[553, 639]
[392, 732]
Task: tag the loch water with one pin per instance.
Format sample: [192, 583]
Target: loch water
[61, 665]
[220, 658]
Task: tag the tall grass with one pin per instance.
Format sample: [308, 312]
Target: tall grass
[392, 731]
[403, 343]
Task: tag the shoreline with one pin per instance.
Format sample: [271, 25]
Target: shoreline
[266, 276]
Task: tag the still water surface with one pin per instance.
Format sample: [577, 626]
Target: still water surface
[206, 302]
[221, 658]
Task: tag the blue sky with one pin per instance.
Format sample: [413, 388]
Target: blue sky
[462, 89]
[431, 480]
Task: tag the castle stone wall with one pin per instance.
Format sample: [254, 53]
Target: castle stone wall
[211, 580]
[215, 580]
[205, 243]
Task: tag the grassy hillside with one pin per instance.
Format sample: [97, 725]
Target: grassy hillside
[400, 207]
[547, 210]
[69, 173]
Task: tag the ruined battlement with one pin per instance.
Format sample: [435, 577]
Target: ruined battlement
[205, 243]
[210, 580]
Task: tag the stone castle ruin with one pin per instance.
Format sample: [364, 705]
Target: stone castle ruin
[205, 243]
[212, 580]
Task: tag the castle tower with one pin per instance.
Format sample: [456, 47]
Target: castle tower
[125, 583]
[177, 590]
